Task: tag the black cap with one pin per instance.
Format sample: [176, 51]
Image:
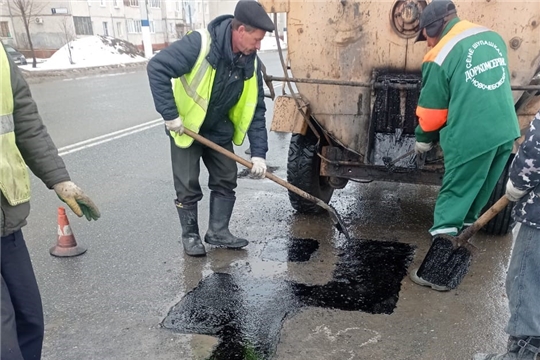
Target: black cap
[250, 12]
[432, 18]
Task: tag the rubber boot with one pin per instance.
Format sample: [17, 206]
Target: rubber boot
[519, 348]
[191, 240]
[218, 227]
[419, 281]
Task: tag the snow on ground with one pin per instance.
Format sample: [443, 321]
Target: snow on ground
[100, 50]
[88, 52]
[269, 43]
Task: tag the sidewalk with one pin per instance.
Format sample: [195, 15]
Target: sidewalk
[36, 76]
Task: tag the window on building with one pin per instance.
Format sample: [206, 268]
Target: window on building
[83, 25]
[134, 26]
[134, 3]
[119, 30]
[102, 2]
[178, 6]
[115, 3]
[156, 26]
[105, 28]
[4, 29]
[154, 3]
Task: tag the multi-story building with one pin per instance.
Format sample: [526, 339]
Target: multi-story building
[53, 23]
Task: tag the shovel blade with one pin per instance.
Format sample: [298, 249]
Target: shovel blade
[338, 222]
[444, 264]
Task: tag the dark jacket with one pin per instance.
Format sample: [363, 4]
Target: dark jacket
[525, 175]
[36, 147]
[231, 71]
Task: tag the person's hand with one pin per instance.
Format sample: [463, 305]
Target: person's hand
[259, 167]
[175, 125]
[77, 200]
[421, 147]
[512, 193]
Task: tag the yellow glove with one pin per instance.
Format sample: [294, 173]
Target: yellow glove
[77, 200]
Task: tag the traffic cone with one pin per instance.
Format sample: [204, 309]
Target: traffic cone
[66, 245]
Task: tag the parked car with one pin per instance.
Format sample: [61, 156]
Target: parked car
[17, 57]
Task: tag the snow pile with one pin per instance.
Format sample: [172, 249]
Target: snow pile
[268, 43]
[93, 51]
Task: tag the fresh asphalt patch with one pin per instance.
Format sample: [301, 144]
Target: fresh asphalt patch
[246, 312]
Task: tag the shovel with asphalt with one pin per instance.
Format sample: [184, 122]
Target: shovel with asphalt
[389, 163]
[336, 220]
[449, 257]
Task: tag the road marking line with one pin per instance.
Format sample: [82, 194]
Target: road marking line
[102, 139]
[108, 137]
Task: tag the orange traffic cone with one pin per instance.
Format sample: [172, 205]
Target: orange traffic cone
[66, 245]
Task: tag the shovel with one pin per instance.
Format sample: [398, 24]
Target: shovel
[449, 257]
[389, 163]
[336, 220]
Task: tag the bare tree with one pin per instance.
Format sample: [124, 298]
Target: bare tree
[69, 36]
[27, 10]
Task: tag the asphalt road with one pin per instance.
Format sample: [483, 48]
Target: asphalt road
[109, 303]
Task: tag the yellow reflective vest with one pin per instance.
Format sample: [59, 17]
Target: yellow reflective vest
[14, 177]
[192, 94]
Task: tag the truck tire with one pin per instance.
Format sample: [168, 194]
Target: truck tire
[502, 223]
[303, 171]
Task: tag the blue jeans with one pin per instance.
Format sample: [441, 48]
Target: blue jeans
[523, 284]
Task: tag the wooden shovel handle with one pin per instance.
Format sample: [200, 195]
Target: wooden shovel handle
[483, 220]
[249, 165]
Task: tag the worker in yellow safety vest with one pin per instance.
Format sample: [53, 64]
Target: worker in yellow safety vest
[24, 142]
[210, 82]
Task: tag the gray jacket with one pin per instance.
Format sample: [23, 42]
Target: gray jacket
[525, 175]
[36, 147]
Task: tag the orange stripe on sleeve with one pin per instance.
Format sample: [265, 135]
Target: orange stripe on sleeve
[431, 119]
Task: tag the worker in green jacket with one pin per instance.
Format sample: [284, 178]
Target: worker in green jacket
[24, 141]
[466, 104]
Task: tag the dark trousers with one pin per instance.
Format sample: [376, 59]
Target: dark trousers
[222, 171]
[22, 312]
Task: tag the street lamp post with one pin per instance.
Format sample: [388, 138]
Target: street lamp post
[145, 29]
[203, 14]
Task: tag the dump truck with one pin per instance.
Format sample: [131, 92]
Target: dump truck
[353, 71]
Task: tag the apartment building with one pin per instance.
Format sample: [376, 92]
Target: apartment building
[53, 22]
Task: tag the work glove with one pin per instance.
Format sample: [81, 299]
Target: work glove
[421, 147]
[175, 125]
[512, 193]
[259, 167]
[77, 200]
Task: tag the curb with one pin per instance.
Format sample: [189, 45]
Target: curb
[38, 76]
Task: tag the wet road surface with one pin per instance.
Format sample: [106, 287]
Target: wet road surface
[317, 298]
[110, 302]
[246, 312]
